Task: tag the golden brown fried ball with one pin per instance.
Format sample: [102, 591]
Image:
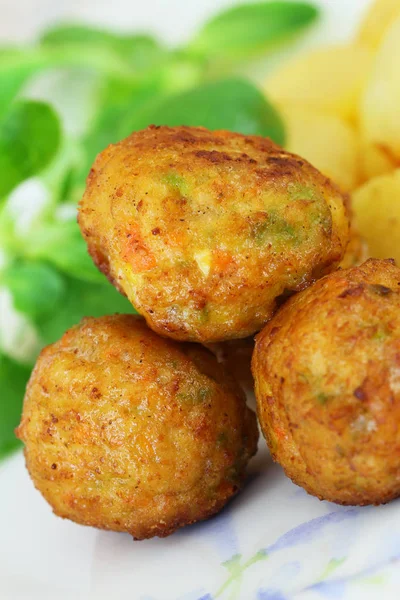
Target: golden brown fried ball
[203, 231]
[327, 377]
[127, 431]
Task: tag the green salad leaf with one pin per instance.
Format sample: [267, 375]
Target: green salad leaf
[248, 29]
[60, 177]
[13, 380]
[16, 66]
[234, 104]
[56, 242]
[121, 102]
[100, 58]
[61, 244]
[29, 139]
[140, 51]
[118, 103]
[81, 299]
[37, 288]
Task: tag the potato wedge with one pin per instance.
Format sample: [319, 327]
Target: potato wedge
[326, 141]
[374, 161]
[376, 207]
[329, 80]
[357, 250]
[377, 21]
[380, 114]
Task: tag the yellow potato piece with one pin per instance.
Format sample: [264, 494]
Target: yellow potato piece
[357, 250]
[374, 161]
[330, 80]
[380, 106]
[376, 207]
[376, 22]
[329, 143]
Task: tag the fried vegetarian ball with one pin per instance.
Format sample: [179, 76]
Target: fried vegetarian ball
[203, 231]
[327, 377]
[127, 431]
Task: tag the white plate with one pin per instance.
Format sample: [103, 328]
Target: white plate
[273, 542]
